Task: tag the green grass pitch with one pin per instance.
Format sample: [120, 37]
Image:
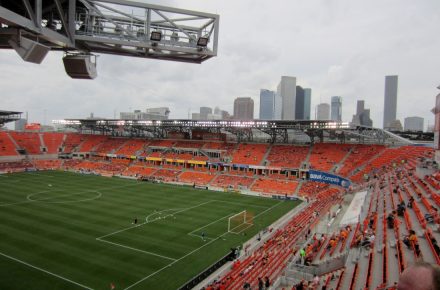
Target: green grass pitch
[61, 230]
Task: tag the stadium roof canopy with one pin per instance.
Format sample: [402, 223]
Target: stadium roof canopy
[9, 116]
[272, 131]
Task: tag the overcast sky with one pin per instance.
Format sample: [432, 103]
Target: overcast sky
[335, 47]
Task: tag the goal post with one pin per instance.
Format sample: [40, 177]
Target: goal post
[240, 221]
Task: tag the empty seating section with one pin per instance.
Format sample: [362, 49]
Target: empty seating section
[250, 154]
[72, 142]
[199, 178]
[166, 175]
[131, 147]
[53, 142]
[287, 156]
[100, 167]
[325, 156]
[188, 144]
[359, 155]
[28, 141]
[162, 143]
[47, 164]
[7, 147]
[273, 186]
[90, 142]
[230, 181]
[110, 145]
[139, 171]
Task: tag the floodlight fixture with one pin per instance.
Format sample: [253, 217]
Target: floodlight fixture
[202, 41]
[156, 36]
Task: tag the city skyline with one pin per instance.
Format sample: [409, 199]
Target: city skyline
[245, 64]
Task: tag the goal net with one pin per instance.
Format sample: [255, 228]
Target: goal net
[240, 221]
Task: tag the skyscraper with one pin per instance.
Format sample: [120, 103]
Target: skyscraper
[390, 104]
[323, 111]
[278, 107]
[267, 104]
[244, 109]
[299, 104]
[362, 116]
[286, 89]
[336, 108]
[204, 111]
[307, 103]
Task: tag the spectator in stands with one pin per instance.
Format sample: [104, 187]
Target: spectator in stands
[420, 276]
[390, 220]
[260, 284]
[247, 285]
[266, 282]
[410, 202]
[435, 246]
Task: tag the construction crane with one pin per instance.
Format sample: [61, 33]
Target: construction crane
[84, 28]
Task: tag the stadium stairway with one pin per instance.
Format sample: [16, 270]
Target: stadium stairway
[43, 147]
[340, 164]
[264, 160]
[12, 140]
[306, 162]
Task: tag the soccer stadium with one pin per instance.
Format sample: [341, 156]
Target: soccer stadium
[201, 204]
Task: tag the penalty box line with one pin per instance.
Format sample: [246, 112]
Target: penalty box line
[45, 271]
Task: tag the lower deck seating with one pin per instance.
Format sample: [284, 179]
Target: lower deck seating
[229, 181]
[273, 186]
[198, 178]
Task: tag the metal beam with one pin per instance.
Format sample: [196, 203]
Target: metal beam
[31, 13]
[63, 20]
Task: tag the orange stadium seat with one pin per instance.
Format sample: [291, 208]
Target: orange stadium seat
[29, 141]
[110, 145]
[273, 186]
[251, 154]
[72, 142]
[131, 147]
[287, 156]
[325, 156]
[7, 147]
[53, 141]
[198, 178]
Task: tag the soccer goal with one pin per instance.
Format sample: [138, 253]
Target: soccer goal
[240, 221]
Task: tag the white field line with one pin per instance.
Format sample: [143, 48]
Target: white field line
[146, 222]
[45, 271]
[226, 216]
[76, 193]
[193, 251]
[135, 249]
[199, 236]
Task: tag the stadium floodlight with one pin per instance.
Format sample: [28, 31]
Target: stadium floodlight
[156, 36]
[202, 41]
